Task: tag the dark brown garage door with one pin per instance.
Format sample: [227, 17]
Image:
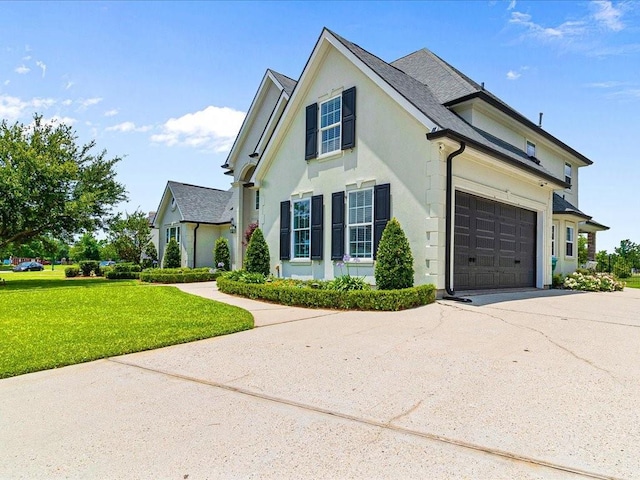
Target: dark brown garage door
[495, 244]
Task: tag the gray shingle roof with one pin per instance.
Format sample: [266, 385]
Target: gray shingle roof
[287, 83]
[201, 204]
[422, 97]
[445, 81]
[561, 206]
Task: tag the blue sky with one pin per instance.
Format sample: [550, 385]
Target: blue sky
[166, 85]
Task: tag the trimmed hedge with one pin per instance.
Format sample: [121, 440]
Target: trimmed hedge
[178, 275]
[388, 300]
[114, 275]
[71, 272]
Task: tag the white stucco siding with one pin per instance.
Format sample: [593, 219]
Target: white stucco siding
[549, 155]
[391, 147]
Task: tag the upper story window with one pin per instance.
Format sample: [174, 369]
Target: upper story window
[257, 205]
[330, 125]
[567, 173]
[569, 242]
[173, 233]
[360, 223]
[173, 203]
[531, 149]
[301, 228]
[553, 240]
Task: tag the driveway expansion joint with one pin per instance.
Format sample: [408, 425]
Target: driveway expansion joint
[374, 423]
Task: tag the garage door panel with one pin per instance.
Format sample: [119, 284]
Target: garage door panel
[495, 244]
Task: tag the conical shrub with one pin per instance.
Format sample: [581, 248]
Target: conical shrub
[258, 259]
[172, 255]
[394, 263]
[222, 255]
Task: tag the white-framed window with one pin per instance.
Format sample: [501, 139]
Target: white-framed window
[531, 149]
[554, 249]
[330, 125]
[301, 227]
[570, 240]
[567, 173]
[173, 203]
[257, 205]
[173, 233]
[360, 223]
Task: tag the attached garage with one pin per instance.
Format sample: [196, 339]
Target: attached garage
[494, 244]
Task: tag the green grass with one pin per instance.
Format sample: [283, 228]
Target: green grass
[48, 321]
[632, 282]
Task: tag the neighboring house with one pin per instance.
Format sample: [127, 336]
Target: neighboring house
[195, 217]
[485, 196]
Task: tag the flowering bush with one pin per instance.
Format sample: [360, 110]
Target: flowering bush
[346, 282]
[593, 282]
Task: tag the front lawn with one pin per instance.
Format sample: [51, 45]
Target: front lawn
[48, 321]
[632, 282]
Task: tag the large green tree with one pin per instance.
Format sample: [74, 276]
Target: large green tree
[130, 236]
[51, 185]
[86, 248]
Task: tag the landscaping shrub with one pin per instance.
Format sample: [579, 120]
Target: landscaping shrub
[88, 266]
[557, 281]
[621, 268]
[245, 277]
[248, 232]
[389, 300]
[346, 283]
[178, 275]
[222, 255]
[71, 272]
[258, 259]
[172, 255]
[123, 271]
[593, 282]
[394, 262]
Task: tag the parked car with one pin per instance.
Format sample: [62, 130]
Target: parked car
[107, 263]
[28, 267]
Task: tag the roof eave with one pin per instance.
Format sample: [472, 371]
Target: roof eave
[478, 146]
[520, 118]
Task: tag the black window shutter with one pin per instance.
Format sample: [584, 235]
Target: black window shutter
[349, 118]
[337, 226]
[317, 234]
[381, 212]
[311, 137]
[285, 230]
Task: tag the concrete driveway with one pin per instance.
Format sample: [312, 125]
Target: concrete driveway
[542, 385]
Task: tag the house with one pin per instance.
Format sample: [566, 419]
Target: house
[195, 217]
[485, 196]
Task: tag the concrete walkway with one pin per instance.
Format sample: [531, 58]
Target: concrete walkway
[521, 386]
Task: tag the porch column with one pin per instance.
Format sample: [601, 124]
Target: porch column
[591, 246]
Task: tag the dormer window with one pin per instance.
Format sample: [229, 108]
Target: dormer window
[531, 149]
[567, 173]
[173, 203]
[330, 123]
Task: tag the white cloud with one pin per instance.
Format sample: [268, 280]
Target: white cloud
[608, 84]
[128, 127]
[27, 58]
[67, 102]
[511, 75]
[13, 108]
[512, 5]
[7, 82]
[213, 128]
[42, 66]
[111, 113]
[57, 120]
[607, 15]
[566, 30]
[69, 85]
[89, 102]
[22, 69]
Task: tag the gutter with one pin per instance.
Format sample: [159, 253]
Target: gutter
[448, 271]
[195, 243]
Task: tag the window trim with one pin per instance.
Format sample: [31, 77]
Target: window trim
[568, 178]
[350, 225]
[169, 235]
[337, 124]
[528, 143]
[554, 240]
[569, 241]
[294, 230]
